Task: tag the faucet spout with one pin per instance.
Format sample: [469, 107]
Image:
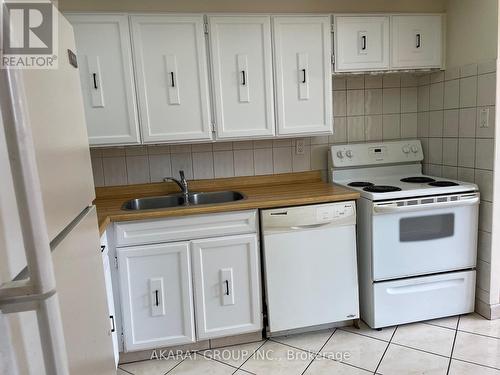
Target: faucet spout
[182, 183]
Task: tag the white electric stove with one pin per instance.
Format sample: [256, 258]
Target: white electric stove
[417, 234]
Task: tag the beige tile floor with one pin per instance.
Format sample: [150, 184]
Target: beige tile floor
[467, 344]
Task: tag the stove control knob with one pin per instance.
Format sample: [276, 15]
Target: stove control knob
[340, 155]
[406, 149]
[414, 149]
[348, 153]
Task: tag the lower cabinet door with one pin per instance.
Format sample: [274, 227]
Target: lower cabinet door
[156, 293]
[227, 286]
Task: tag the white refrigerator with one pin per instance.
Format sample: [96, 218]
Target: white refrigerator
[54, 317]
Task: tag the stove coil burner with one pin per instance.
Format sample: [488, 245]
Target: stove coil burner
[381, 189]
[443, 183]
[360, 184]
[418, 180]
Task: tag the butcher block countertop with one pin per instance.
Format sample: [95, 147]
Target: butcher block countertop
[268, 191]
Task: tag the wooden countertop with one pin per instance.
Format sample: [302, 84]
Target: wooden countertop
[288, 189]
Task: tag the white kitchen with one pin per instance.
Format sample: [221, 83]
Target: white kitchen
[266, 187]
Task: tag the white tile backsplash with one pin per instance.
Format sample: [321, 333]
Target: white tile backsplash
[137, 169]
[282, 160]
[391, 98]
[355, 102]
[409, 125]
[356, 129]
[223, 164]
[468, 92]
[243, 163]
[159, 167]
[203, 165]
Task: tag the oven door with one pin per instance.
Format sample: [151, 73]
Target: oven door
[425, 235]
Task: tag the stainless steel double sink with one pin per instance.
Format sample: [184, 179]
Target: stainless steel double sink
[179, 200]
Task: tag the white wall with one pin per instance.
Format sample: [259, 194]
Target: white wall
[471, 31]
[256, 5]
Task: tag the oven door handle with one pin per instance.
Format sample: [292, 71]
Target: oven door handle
[419, 207]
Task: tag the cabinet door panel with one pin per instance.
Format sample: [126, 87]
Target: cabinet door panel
[361, 43]
[227, 286]
[242, 75]
[303, 74]
[417, 41]
[105, 64]
[172, 80]
[156, 295]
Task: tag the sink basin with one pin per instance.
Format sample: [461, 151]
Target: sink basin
[215, 197]
[178, 200]
[150, 203]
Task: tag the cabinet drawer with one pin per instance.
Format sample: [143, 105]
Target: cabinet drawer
[185, 228]
[400, 301]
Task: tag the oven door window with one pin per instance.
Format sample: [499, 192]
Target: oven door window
[424, 228]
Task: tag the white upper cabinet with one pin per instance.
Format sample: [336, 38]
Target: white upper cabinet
[302, 50]
[241, 59]
[105, 64]
[361, 43]
[172, 80]
[417, 41]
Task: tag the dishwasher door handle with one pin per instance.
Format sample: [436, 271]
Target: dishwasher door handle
[310, 226]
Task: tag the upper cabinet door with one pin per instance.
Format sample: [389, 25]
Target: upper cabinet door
[303, 74]
[361, 43]
[242, 75]
[105, 63]
[172, 80]
[417, 41]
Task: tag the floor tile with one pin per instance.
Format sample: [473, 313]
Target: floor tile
[400, 360]
[448, 322]
[477, 349]
[233, 355]
[357, 350]
[464, 368]
[475, 323]
[364, 329]
[312, 341]
[426, 337]
[119, 371]
[152, 367]
[275, 358]
[323, 366]
[201, 365]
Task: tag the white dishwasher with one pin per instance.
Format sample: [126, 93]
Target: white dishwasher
[310, 266]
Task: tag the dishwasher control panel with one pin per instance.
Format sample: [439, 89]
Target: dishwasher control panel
[304, 217]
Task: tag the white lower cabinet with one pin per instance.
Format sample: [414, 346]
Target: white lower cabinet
[227, 285]
[211, 277]
[156, 295]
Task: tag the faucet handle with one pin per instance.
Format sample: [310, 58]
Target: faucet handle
[181, 173]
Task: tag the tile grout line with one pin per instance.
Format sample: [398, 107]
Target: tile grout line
[175, 366]
[319, 351]
[385, 351]
[453, 346]
[477, 364]
[334, 360]
[255, 351]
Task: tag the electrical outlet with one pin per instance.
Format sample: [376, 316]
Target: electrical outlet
[299, 147]
[484, 117]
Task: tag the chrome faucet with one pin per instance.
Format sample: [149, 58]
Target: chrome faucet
[182, 183]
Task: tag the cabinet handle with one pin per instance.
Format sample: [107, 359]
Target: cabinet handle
[243, 78]
[227, 287]
[363, 42]
[113, 323]
[94, 76]
[418, 41]
[172, 79]
[303, 75]
[156, 298]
